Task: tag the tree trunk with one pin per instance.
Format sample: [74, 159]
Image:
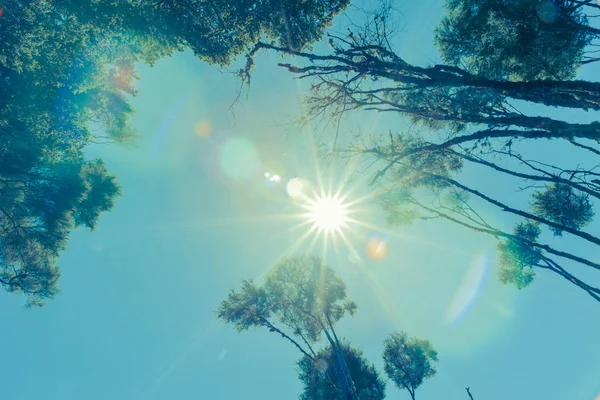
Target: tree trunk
[342, 370]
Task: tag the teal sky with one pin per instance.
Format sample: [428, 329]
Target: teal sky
[135, 319]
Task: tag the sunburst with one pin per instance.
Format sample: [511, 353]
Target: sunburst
[331, 218]
[328, 213]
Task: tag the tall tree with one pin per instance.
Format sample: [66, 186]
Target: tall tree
[304, 296]
[480, 126]
[67, 72]
[363, 72]
[517, 40]
[408, 361]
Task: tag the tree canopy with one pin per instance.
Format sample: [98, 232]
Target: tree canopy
[67, 74]
[408, 361]
[303, 295]
[517, 40]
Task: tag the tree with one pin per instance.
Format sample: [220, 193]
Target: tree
[520, 40]
[419, 176]
[408, 361]
[316, 374]
[307, 298]
[301, 300]
[63, 84]
[67, 72]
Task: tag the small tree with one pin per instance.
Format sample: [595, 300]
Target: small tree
[408, 361]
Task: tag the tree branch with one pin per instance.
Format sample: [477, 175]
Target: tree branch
[504, 207]
[272, 328]
[469, 393]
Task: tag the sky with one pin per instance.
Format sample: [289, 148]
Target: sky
[135, 319]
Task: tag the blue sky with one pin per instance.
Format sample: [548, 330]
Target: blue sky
[135, 319]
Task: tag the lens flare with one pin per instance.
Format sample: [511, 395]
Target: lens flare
[239, 158]
[297, 187]
[203, 129]
[275, 178]
[377, 248]
[469, 289]
[166, 125]
[321, 365]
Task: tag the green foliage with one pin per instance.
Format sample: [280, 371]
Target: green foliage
[301, 293]
[416, 167]
[397, 207]
[564, 205]
[516, 40]
[216, 31]
[318, 375]
[518, 256]
[250, 307]
[307, 295]
[457, 200]
[67, 74]
[30, 269]
[397, 215]
[301, 299]
[446, 107]
[408, 361]
[38, 209]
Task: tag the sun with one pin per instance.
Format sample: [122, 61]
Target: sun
[327, 213]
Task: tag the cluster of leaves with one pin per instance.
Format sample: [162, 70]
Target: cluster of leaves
[563, 205]
[517, 40]
[447, 107]
[518, 256]
[39, 209]
[316, 376]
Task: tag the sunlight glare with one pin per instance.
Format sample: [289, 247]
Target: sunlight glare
[328, 213]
